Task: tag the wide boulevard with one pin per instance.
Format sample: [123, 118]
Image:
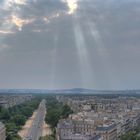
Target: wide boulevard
[35, 131]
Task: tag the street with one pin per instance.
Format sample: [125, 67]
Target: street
[35, 131]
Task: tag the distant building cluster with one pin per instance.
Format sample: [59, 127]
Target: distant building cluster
[8, 101]
[97, 118]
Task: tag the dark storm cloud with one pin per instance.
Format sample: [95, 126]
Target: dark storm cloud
[39, 44]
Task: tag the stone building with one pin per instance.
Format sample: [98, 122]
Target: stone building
[2, 131]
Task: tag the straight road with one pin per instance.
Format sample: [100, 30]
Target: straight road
[35, 131]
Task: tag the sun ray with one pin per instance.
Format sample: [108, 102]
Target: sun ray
[101, 50]
[85, 66]
[53, 63]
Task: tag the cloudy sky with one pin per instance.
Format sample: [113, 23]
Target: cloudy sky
[70, 43]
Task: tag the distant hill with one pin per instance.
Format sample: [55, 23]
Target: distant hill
[67, 91]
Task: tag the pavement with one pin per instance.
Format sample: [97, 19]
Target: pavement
[35, 131]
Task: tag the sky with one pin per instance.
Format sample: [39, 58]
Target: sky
[59, 44]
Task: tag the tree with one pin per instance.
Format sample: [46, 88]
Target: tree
[130, 136]
[18, 120]
[13, 137]
[66, 110]
[11, 127]
[16, 116]
[56, 111]
[53, 117]
[47, 138]
[4, 114]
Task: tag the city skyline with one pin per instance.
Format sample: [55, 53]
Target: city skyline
[64, 44]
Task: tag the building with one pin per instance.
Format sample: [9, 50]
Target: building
[109, 118]
[76, 130]
[81, 137]
[2, 131]
[84, 126]
[108, 132]
[8, 101]
[65, 128]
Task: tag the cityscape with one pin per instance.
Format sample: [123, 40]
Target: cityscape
[69, 69]
[70, 117]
